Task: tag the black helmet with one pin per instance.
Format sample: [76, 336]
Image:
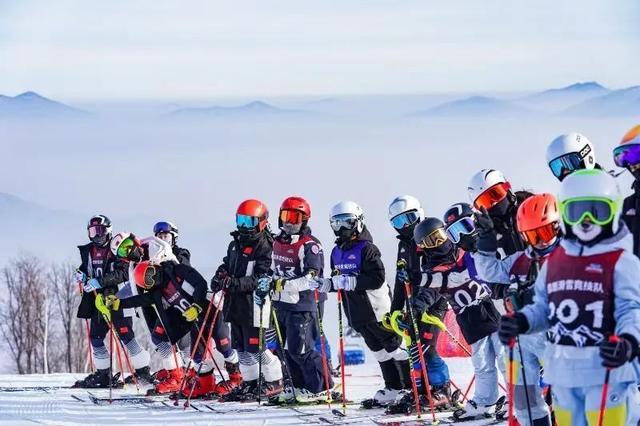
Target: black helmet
[99, 229]
[431, 237]
[460, 226]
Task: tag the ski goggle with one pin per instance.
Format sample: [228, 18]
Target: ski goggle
[492, 195]
[291, 216]
[125, 247]
[435, 239]
[347, 221]
[162, 227]
[626, 155]
[542, 235]
[146, 278]
[405, 219]
[599, 210]
[244, 221]
[462, 226]
[566, 164]
[97, 231]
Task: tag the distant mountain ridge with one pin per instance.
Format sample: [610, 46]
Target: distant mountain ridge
[31, 104]
[255, 108]
[474, 106]
[623, 102]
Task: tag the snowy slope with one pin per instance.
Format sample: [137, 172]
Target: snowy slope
[73, 406]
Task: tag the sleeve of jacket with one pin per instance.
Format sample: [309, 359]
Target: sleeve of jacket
[261, 267]
[118, 274]
[399, 297]
[184, 256]
[537, 313]
[372, 274]
[140, 300]
[627, 295]
[313, 258]
[84, 260]
[493, 270]
[193, 277]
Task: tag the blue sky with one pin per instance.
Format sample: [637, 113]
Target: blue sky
[156, 49]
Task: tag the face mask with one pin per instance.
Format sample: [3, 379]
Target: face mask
[586, 231]
[345, 234]
[501, 209]
[291, 228]
[406, 232]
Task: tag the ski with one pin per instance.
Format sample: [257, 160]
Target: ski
[32, 388]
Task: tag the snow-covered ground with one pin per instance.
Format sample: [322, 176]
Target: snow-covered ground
[64, 406]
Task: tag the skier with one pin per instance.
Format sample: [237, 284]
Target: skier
[627, 155]
[405, 212]
[168, 232]
[451, 271]
[248, 259]
[101, 273]
[538, 221]
[359, 274]
[588, 300]
[176, 293]
[570, 152]
[297, 259]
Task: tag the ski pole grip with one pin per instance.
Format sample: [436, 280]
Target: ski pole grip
[401, 264]
[614, 339]
[335, 272]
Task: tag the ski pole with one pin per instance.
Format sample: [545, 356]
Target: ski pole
[605, 386]
[412, 347]
[325, 367]
[282, 353]
[402, 264]
[341, 344]
[512, 421]
[110, 367]
[260, 349]
[524, 381]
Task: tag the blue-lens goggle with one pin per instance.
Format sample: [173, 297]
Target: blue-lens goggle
[462, 226]
[244, 221]
[405, 219]
[566, 164]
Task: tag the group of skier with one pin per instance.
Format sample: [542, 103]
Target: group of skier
[544, 289]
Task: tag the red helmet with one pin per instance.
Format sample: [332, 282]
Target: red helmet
[252, 214]
[145, 275]
[538, 219]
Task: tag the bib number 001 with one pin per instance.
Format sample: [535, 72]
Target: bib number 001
[568, 311]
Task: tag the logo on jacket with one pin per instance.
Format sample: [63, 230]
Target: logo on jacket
[595, 268]
[290, 251]
[351, 257]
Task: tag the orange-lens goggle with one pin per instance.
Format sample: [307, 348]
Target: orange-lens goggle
[291, 216]
[544, 234]
[434, 239]
[492, 195]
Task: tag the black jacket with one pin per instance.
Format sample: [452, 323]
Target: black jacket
[630, 215]
[112, 272]
[359, 305]
[432, 301]
[176, 274]
[247, 260]
[183, 255]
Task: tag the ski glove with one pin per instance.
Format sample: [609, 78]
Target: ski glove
[112, 302]
[81, 277]
[278, 284]
[618, 351]
[323, 285]
[220, 281]
[91, 285]
[191, 313]
[102, 308]
[344, 282]
[484, 223]
[262, 290]
[511, 326]
[402, 275]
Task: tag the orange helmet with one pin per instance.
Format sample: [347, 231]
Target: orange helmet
[145, 275]
[252, 215]
[538, 218]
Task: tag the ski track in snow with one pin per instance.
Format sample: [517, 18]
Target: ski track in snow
[60, 406]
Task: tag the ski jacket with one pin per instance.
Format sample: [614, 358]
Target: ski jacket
[246, 261]
[98, 262]
[631, 216]
[411, 254]
[297, 258]
[180, 286]
[182, 254]
[582, 294]
[371, 298]
[469, 298]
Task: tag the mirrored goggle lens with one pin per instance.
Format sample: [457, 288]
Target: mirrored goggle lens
[626, 155]
[291, 216]
[150, 276]
[161, 227]
[544, 234]
[125, 247]
[492, 196]
[434, 239]
[244, 221]
[463, 226]
[346, 221]
[566, 164]
[599, 212]
[97, 231]
[405, 219]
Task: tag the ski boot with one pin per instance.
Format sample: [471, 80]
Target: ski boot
[99, 379]
[235, 379]
[247, 391]
[198, 386]
[271, 389]
[443, 399]
[287, 396]
[473, 410]
[143, 375]
[382, 398]
[170, 384]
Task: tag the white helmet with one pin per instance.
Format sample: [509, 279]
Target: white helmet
[117, 240]
[159, 250]
[483, 180]
[592, 184]
[348, 209]
[405, 204]
[572, 152]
